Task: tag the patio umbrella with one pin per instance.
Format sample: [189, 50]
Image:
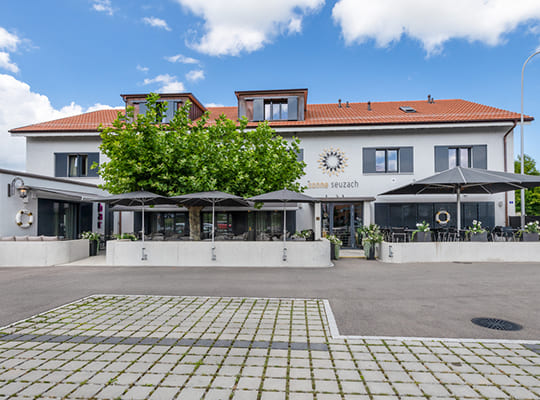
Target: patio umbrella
[283, 196]
[141, 198]
[468, 180]
[212, 198]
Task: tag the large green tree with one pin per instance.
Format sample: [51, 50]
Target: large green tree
[532, 196]
[185, 156]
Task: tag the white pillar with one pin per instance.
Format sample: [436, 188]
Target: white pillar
[317, 220]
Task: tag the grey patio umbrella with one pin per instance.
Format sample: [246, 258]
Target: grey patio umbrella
[141, 198]
[467, 180]
[212, 198]
[283, 196]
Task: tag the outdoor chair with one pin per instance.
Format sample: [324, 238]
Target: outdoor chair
[399, 235]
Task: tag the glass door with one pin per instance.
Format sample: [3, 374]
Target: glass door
[342, 224]
[342, 220]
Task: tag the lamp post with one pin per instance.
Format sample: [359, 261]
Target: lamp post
[523, 142]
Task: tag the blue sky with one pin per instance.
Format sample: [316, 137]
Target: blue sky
[64, 57]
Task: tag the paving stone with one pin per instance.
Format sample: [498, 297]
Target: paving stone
[137, 393]
[167, 393]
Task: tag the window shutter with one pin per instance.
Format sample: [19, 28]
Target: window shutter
[441, 158]
[241, 109]
[60, 164]
[300, 155]
[142, 108]
[93, 158]
[406, 162]
[368, 156]
[171, 105]
[479, 156]
[292, 108]
[258, 109]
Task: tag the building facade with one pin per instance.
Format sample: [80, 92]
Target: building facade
[353, 152]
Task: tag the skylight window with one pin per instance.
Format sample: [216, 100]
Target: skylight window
[407, 109]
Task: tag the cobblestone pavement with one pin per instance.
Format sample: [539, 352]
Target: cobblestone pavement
[158, 347]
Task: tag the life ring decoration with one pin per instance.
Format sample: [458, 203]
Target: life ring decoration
[442, 217]
[29, 218]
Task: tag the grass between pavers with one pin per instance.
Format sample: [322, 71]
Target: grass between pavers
[411, 357]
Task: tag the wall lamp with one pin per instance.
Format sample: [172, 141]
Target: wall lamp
[15, 184]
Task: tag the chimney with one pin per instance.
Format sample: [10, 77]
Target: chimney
[339, 103]
[347, 105]
[369, 105]
[432, 100]
[429, 98]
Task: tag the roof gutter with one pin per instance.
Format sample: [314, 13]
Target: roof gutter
[506, 170]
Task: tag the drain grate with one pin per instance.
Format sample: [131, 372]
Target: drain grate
[496, 323]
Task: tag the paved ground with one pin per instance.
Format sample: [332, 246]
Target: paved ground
[367, 297]
[162, 347]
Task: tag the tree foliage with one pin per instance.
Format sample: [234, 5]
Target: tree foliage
[186, 156]
[532, 196]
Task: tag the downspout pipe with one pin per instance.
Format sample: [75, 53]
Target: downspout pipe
[505, 148]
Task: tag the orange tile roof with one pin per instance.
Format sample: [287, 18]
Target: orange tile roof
[382, 113]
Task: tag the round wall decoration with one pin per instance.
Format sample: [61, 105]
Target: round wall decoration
[332, 161]
[28, 216]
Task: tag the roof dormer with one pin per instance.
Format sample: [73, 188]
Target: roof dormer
[272, 105]
[174, 102]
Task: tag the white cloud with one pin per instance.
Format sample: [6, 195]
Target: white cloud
[103, 6]
[142, 69]
[19, 106]
[195, 75]
[8, 41]
[156, 23]
[214, 105]
[432, 22]
[99, 106]
[236, 26]
[179, 58]
[5, 63]
[169, 84]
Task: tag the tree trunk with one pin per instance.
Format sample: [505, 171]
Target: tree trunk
[195, 222]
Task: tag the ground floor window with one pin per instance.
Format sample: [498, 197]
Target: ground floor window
[388, 215]
[64, 219]
[342, 220]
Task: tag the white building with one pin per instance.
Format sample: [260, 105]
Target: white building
[353, 152]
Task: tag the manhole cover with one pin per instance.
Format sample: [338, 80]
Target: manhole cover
[496, 323]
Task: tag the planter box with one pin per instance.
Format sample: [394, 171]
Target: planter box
[422, 237]
[334, 251]
[530, 237]
[93, 248]
[478, 237]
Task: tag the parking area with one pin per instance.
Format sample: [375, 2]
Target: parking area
[191, 347]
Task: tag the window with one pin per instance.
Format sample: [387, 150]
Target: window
[388, 160]
[459, 156]
[78, 165]
[75, 164]
[473, 156]
[276, 110]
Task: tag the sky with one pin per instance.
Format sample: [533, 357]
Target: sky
[66, 57]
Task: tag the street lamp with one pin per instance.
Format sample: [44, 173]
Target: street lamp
[523, 143]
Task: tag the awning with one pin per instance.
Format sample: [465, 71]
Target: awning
[59, 194]
[345, 199]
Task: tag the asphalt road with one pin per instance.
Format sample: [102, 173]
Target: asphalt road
[367, 297]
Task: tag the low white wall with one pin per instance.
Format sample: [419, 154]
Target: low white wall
[228, 254]
[41, 254]
[460, 251]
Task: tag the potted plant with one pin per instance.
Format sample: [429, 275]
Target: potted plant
[335, 244]
[476, 233]
[422, 232]
[125, 237]
[371, 235]
[530, 233]
[93, 238]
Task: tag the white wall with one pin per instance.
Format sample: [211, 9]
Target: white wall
[41, 254]
[422, 140]
[40, 153]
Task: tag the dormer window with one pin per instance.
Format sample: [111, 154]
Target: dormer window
[276, 109]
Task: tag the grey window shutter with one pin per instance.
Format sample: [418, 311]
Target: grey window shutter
[258, 109]
[60, 164]
[171, 105]
[368, 156]
[292, 108]
[441, 158]
[479, 156]
[300, 155]
[241, 109]
[142, 108]
[406, 161]
[93, 158]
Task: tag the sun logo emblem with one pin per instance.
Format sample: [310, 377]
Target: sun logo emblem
[332, 161]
